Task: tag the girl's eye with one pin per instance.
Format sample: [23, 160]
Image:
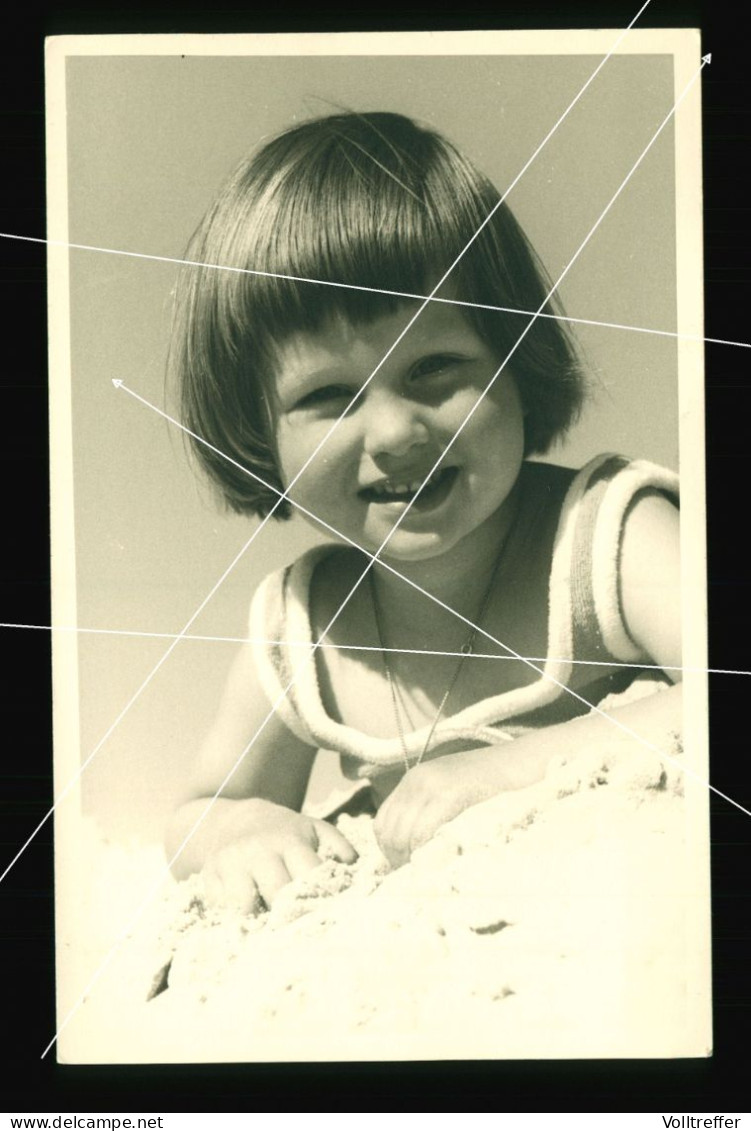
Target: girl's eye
[326, 395]
[434, 364]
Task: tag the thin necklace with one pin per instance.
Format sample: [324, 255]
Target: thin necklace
[395, 690]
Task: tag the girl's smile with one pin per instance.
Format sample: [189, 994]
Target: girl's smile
[399, 431]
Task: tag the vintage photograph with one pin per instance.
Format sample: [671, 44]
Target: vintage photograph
[376, 389]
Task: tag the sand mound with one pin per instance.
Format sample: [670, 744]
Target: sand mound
[549, 922]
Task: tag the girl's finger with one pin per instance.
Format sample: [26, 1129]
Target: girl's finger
[242, 894]
[231, 888]
[332, 845]
[301, 859]
[269, 872]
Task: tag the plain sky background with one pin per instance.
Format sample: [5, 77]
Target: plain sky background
[150, 140]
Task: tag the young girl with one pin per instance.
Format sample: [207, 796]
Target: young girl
[553, 563]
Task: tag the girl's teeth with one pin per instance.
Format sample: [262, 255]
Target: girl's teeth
[386, 489]
[407, 488]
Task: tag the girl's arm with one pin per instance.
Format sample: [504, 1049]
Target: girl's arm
[434, 792]
[252, 839]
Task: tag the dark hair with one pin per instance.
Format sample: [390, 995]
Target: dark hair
[368, 200]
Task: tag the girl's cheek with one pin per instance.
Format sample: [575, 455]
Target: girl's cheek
[293, 446]
[312, 455]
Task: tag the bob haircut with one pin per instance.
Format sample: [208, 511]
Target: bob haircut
[365, 202]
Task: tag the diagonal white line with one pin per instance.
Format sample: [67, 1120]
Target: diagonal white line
[383, 291]
[370, 648]
[369, 566]
[284, 496]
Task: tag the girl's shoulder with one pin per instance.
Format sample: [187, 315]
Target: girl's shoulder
[617, 521]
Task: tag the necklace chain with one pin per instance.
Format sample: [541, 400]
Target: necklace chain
[395, 690]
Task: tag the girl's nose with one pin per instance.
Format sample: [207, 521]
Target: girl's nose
[393, 426]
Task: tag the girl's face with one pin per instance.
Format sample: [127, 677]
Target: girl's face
[380, 452]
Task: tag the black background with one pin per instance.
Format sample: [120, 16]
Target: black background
[28, 1084]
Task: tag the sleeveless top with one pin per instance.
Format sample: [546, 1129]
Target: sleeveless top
[584, 516]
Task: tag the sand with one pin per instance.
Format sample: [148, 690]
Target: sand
[560, 920]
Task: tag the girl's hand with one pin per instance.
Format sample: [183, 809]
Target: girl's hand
[283, 845]
[433, 793]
